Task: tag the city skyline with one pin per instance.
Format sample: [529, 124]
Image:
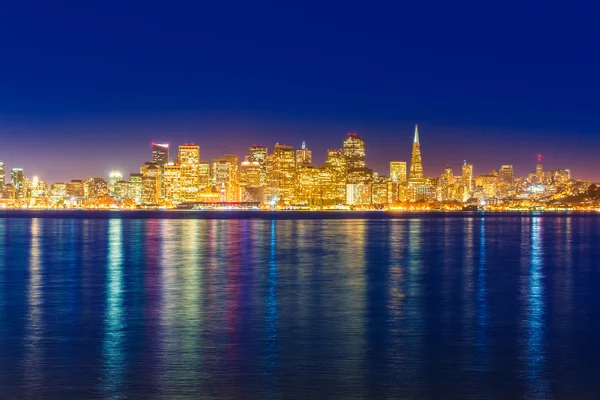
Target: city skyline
[398, 149]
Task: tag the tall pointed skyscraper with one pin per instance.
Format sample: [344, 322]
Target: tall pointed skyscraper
[415, 178]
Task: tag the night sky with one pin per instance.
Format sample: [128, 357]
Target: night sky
[86, 86]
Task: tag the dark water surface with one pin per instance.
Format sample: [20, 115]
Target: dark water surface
[380, 305]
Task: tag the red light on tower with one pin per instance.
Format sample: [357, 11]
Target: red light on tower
[539, 158]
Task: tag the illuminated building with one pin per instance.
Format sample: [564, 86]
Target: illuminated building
[561, 176]
[354, 150]
[259, 154]
[467, 180]
[507, 174]
[136, 181]
[446, 182]
[486, 186]
[17, 179]
[251, 189]
[303, 156]
[58, 191]
[415, 177]
[172, 182]
[2, 176]
[332, 179]
[160, 153]
[539, 171]
[281, 175]
[151, 183]
[307, 188]
[379, 191]
[225, 176]
[126, 191]
[189, 160]
[113, 178]
[204, 175]
[75, 189]
[398, 171]
[358, 194]
[94, 188]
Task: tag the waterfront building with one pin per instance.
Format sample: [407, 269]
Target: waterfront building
[160, 153]
[225, 176]
[189, 160]
[398, 171]
[446, 184]
[281, 175]
[151, 183]
[136, 181]
[113, 178]
[259, 154]
[17, 179]
[204, 180]
[358, 194]
[172, 183]
[307, 187]
[251, 189]
[2, 176]
[75, 189]
[95, 188]
[467, 180]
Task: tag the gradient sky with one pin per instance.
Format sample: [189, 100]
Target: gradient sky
[86, 86]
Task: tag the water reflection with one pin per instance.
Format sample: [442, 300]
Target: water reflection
[535, 350]
[270, 358]
[482, 307]
[34, 329]
[114, 320]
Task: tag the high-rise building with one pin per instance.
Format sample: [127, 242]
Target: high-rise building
[467, 180]
[151, 183]
[95, 188]
[204, 175]
[415, 177]
[446, 182]
[2, 176]
[259, 154]
[172, 182]
[539, 170]
[507, 174]
[17, 179]
[303, 156]
[160, 153]
[281, 170]
[136, 182]
[398, 171]
[251, 189]
[225, 176]
[75, 188]
[354, 150]
[189, 160]
[113, 178]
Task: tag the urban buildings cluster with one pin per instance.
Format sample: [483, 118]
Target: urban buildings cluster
[288, 179]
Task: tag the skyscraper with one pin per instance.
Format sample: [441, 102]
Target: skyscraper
[259, 154]
[2, 177]
[415, 177]
[303, 156]
[354, 150]
[398, 171]
[17, 179]
[172, 182]
[467, 180]
[446, 183]
[225, 176]
[113, 178]
[507, 174]
[160, 153]
[189, 160]
[281, 170]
